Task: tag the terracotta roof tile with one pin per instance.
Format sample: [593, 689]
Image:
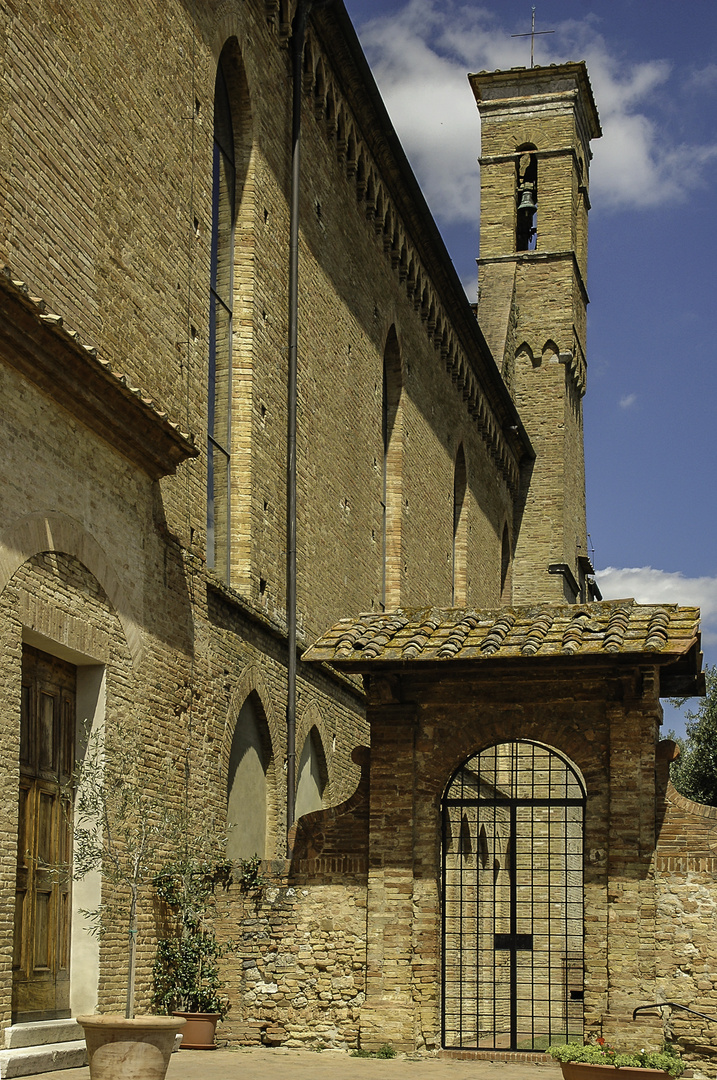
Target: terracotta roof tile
[608, 629]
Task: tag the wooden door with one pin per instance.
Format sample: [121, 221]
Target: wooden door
[41, 957]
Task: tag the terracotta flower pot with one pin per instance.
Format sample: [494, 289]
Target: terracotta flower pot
[580, 1070]
[199, 1031]
[121, 1049]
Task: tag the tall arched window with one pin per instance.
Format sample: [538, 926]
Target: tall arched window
[392, 496]
[220, 330]
[505, 567]
[459, 587]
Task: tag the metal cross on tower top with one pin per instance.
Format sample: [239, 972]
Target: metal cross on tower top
[532, 35]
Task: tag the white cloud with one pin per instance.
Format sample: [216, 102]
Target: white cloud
[628, 401]
[428, 98]
[649, 586]
[421, 54]
[704, 78]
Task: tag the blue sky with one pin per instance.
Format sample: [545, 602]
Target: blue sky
[650, 432]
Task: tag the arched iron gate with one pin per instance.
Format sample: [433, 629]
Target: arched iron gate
[513, 900]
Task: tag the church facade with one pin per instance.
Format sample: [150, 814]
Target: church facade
[245, 396]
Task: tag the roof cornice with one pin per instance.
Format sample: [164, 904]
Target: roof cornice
[353, 74]
[37, 344]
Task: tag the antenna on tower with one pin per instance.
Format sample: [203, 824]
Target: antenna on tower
[532, 35]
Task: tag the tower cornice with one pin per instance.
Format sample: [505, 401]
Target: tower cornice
[541, 256]
[529, 89]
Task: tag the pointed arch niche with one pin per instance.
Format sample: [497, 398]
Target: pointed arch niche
[312, 776]
[392, 422]
[248, 792]
[230, 300]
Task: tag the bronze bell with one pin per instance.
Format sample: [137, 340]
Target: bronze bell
[527, 201]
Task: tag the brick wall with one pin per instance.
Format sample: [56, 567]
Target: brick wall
[106, 164]
[105, 160]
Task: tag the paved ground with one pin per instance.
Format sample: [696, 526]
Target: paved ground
[266, 1064]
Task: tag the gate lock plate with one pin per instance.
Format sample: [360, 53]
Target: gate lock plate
[513, 941]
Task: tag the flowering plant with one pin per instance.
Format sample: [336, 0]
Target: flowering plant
[601, 1053]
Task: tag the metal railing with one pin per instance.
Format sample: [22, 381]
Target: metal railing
[673, 1005]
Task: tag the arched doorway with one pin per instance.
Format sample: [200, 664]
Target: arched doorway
[512, 956]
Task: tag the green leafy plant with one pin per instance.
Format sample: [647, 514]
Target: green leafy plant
[694, 773]
[186, 966]
[601, 1053]
[248, 874]
[385, 1051]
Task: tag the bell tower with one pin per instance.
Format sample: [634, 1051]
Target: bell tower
[536, 128]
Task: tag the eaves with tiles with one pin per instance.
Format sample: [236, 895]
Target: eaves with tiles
[41, 347]
[616, 630]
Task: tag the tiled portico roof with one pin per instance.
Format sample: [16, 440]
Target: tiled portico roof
[664, 634]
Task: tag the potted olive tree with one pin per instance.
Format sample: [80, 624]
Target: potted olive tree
[186, 967]
[120, 829]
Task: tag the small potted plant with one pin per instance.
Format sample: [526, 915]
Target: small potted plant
[585, 1061]
[186, 967]
[120, 830]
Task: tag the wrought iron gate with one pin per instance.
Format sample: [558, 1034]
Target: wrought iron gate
[513, 900]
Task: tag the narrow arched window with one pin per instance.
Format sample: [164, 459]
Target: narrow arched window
[505, 565]
[526, 194]
[220, 331]
[459, 586]
[392, 493]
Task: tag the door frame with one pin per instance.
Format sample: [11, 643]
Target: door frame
[90, 702]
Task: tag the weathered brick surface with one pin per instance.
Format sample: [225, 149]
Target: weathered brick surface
[106, 119]
[106, 122]
[537, 313]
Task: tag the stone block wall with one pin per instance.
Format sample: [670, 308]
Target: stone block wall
[297, 976]
[685, 865]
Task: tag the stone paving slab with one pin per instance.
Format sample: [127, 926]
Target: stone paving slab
[279, 1064]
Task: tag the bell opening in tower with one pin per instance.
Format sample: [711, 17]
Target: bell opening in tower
[526, 231]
